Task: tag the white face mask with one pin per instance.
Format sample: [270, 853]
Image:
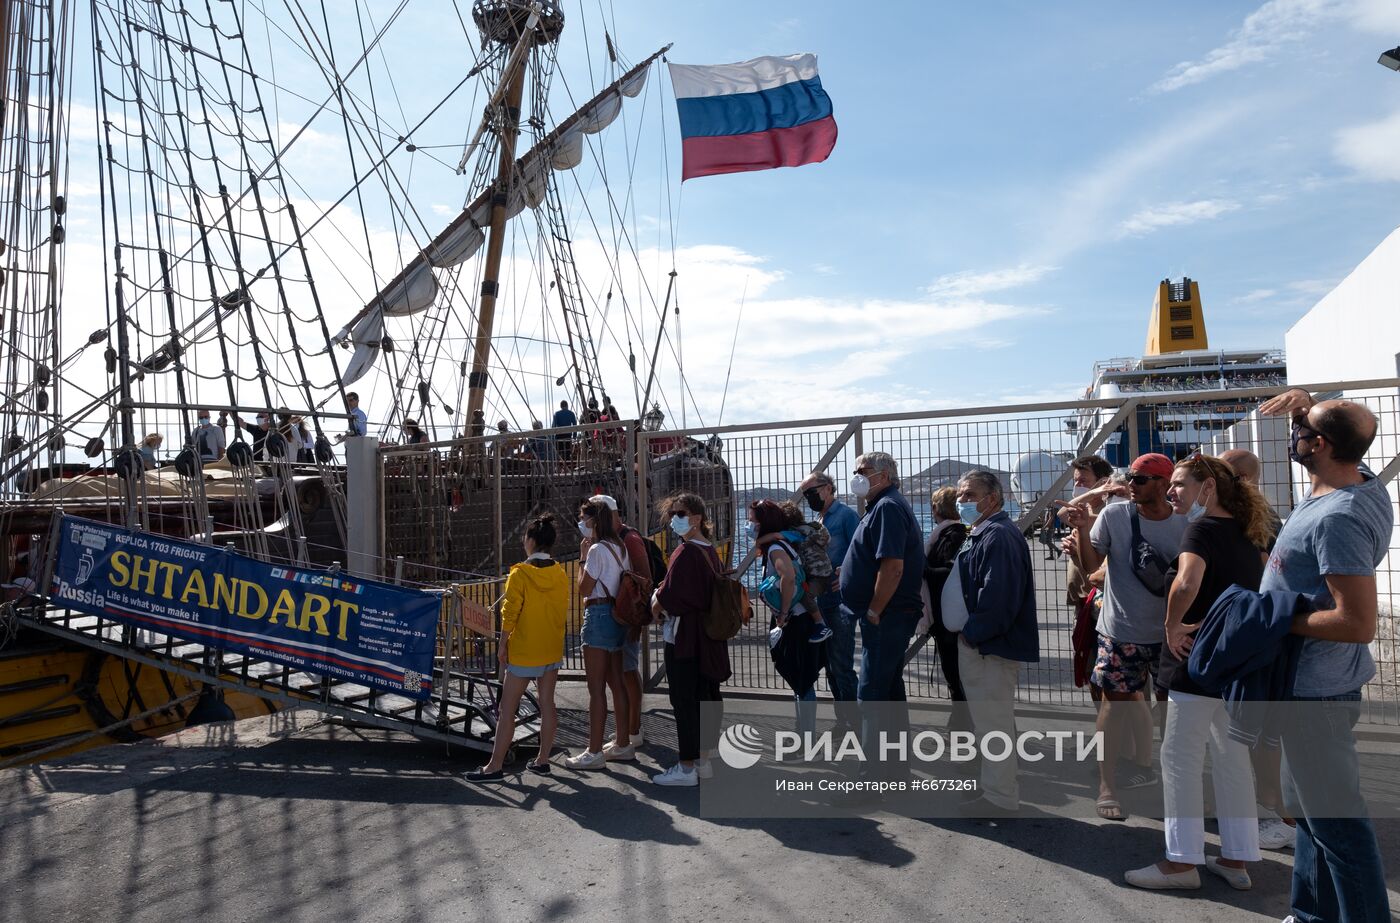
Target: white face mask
[585, 528]
[1080, 490]
[1198, 509]
[860, 486]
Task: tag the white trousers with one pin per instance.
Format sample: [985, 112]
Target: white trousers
[990, 684]
[1193, 723]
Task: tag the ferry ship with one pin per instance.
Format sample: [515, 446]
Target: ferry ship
[1177, 360]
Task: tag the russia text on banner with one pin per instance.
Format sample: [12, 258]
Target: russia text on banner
[756, 115]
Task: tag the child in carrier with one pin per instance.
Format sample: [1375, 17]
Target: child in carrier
[800, 545]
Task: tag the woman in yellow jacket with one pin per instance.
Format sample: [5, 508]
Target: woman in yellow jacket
[532, 645]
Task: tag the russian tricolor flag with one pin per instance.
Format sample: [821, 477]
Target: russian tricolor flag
[757, 115]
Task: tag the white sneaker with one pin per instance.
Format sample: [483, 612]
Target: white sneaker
[639, 739]
[587, 760]
[1275, 834]
[613, 752]
[704, 770]
[1154, 879]
[677, 775]
[1235, 878]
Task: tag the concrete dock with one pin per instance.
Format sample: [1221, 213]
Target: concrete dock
[288, 818]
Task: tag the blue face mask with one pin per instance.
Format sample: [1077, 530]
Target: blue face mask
[680, 524]
[968, 513]
[751, 529]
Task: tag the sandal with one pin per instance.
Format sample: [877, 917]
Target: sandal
[1110, 809]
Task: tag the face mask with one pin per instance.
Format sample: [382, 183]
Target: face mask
[968, 513]
[751, 529]
[680, 524]
[1197, 510]
[860, 485]
[1080, 490]
[1293, 454]
[585, 528]
[814, 500]
[203, 421]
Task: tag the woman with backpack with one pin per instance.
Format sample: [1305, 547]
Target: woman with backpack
[940, 549]
[696, 663]
[533, 619]
[791, 628]
[604, 559]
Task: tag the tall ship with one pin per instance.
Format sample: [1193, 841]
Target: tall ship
[218, 212]
[1176, 360]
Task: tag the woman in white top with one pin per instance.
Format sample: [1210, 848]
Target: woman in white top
[603, 555]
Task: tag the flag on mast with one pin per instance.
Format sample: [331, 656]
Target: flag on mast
[755, 115]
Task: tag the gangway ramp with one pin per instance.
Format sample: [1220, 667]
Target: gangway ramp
[461, 709]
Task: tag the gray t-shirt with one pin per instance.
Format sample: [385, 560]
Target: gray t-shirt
[1131, 612]
[1344, 532]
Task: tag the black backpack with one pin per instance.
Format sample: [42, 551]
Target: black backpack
[655, 559]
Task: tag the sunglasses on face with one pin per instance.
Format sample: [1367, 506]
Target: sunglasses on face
[1141, 479]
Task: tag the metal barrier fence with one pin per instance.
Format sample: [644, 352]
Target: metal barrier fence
[1028, 445]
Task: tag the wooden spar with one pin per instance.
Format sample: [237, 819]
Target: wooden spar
[523, 166]
[495, 244]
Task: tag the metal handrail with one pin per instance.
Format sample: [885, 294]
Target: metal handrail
[1146, 399]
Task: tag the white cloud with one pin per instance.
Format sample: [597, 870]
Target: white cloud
[967, 283]
[1259, 294]
[1372, 149]
[1174, 214]
[1272, 26]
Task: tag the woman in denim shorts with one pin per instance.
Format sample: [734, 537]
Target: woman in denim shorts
[603, 557]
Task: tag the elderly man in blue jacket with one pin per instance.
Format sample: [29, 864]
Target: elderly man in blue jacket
[993, 584]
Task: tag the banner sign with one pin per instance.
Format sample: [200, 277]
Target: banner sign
[359, 630]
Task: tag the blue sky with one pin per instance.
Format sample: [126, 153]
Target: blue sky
[1012, 179]
[1048, 163]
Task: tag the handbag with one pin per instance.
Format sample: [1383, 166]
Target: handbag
[1150, 566]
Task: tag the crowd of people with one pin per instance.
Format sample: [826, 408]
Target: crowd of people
[1179, 573]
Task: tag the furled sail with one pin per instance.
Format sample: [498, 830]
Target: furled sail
[415, 287]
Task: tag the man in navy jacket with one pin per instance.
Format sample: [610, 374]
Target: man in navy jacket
[996, 586]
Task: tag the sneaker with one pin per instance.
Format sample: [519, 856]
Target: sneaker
[704, 769]
[678, 775]
[1135, 776]
[819, 634]
[481, 775]
[639, 739]
[1154, 879]
[586, 760]
[612, 752]
[1275, 834]
[1235, 878]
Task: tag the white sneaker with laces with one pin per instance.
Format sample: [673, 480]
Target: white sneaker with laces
[677, 775]
[1275, 834]
[613, 752]
[586, 760]
[704, 769]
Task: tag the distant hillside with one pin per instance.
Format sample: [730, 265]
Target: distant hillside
[946, 473]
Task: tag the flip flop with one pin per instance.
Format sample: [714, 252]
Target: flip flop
[1110, 809]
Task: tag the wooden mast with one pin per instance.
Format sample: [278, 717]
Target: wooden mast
[495, 244]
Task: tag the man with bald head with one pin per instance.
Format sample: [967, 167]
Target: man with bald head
[1329, 548]
[1246, 466]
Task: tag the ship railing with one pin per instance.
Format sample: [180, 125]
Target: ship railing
[1026, 444]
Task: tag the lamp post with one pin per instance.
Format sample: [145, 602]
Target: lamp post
[1391, 59]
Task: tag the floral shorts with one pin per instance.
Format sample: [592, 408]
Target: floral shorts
[1123, 666]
